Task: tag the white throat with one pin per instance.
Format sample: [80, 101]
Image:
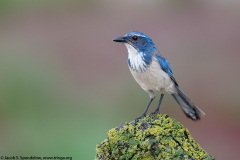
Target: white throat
[135, 58]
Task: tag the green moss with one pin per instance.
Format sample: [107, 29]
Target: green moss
[151, 137]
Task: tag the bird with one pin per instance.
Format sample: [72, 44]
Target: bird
[152, 72]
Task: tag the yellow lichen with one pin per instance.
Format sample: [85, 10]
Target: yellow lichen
[172, 143]
[185, 145]
[139, 135]
[113, 136]
[157, 122]
[131, 129]
[151, 137]
[155, 130]
[169, 124]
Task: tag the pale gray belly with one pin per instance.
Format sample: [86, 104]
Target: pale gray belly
[154, 78]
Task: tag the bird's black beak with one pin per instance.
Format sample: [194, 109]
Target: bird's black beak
[120, 39]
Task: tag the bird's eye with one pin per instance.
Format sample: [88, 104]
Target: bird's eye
[135, 38]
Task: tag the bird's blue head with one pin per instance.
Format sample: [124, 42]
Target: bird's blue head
[140, 41]
[140, 49]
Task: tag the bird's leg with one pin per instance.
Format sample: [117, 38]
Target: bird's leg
[151, 95]
[159, 104]
[146, 109]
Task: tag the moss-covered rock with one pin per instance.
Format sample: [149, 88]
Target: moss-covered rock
[151, 137]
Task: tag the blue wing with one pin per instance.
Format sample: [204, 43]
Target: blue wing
[166, 67]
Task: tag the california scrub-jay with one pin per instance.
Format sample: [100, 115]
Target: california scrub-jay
[153, 73]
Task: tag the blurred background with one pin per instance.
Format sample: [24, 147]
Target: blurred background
[64, 83]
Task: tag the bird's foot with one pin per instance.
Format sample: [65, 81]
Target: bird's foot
[143, 115]
[155, 112]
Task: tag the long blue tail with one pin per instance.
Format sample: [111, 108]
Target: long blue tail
[187, 106]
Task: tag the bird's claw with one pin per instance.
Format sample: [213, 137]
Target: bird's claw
[154, 113]
[143, 115]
